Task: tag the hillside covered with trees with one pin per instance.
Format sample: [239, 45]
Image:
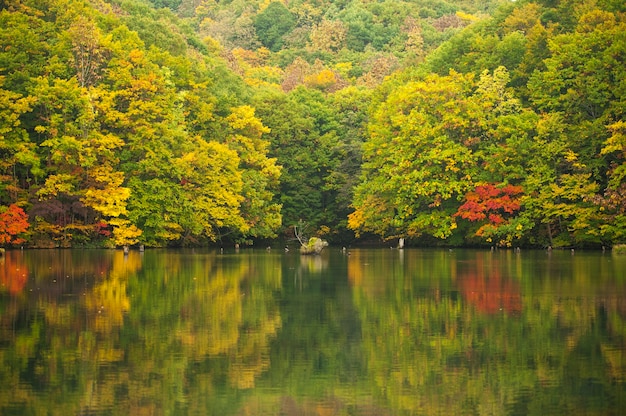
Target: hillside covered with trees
[195, 122]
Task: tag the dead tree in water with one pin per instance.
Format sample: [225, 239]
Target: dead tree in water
[313, 245]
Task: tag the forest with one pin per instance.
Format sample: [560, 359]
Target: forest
[172, 123]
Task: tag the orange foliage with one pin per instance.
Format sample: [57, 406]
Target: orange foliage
[13, 221]
[490, 293]
[13, 274]
[492, 202]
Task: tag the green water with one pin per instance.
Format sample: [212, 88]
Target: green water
[365, 332]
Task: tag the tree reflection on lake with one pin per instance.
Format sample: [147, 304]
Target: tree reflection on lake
[366, 332]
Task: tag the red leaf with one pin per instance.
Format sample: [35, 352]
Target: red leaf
[13, 221]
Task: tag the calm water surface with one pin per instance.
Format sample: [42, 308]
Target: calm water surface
[369, 332]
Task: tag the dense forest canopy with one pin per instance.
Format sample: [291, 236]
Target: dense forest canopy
[192, 122]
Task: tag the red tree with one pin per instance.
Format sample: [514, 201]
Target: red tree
[491, 202]
[495, 207]
[13, 221]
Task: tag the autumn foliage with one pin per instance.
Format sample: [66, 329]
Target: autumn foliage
[492, 203]
[494, 207]
[13, 274]
[491, 294]
[387, 119]
[13, 222]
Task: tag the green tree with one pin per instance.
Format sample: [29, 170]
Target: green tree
[302, 135]
[171, 4]
[559, 190]
[23, 58]
[351, 108]
[583, 81]
[272, 24]
[416, 161]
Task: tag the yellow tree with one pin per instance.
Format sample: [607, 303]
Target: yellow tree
[18, 159]
[83, 160]
[260, 173]
[210, 196]
[82, 154]
[88, 50]
[613, 201]
[328, 36]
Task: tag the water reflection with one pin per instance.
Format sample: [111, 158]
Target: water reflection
[473, 332]
[364, 332]
[489, 286]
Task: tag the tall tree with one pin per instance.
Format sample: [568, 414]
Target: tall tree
[302, 135]
[584, 80]
[613, 200]
[19, 162]
[559, 190]
[83, 171]
[260, 173]
[415, 161]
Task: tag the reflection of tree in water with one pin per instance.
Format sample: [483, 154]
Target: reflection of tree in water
[431, 351]
[205, 325]
[108, 301]
[488, 291]
[317, 360]
[13, 273]
[139, 334]
[223, 320]
[54, 342]
[194, 334]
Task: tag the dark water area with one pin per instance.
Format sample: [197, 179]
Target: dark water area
[364, 332]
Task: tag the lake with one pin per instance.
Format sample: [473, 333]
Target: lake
[361, 332]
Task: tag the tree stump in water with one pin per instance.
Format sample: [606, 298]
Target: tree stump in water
[313, 246]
